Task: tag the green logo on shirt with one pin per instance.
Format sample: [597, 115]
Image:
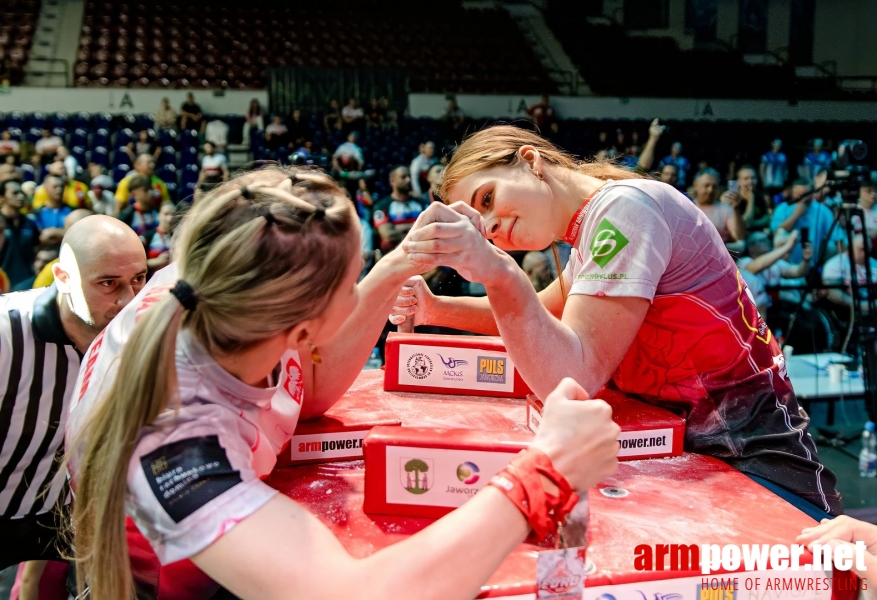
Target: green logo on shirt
[607, 242]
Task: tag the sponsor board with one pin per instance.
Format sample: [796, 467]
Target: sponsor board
[438, 476]
[443, 367]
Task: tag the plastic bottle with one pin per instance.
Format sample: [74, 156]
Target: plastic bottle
[374, 361]
[868, 455]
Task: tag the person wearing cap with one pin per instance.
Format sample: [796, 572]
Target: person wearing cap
[103, 202]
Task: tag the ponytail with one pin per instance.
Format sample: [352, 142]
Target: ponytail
[140, 392]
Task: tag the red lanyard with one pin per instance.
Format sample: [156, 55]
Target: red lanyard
[572, 232]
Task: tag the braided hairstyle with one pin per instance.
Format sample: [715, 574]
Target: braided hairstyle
[260, 254]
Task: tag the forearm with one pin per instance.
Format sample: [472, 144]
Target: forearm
[799, 270]
[765, 260]
[348, 351]
[464, 313]
[542, 348]
[446, 560]
[789, 223]
[647, 156]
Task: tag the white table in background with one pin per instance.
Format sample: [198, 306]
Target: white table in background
[809, 375]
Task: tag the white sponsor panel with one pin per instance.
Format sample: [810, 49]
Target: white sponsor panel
[316, 446]
[450, 478]
[466, 368]
[645, 443]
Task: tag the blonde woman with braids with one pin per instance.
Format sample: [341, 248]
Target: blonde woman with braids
[650, 301]
[258, 323]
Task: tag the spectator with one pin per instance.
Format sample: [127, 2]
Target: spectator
[9, 147]
[299, 131]
[420, 168]
[348, 156]
[391, 117]
[214, 166]
[332, 119]
[216, 131]
[542, 113]
[455, 121]
[771, 266]
[812, 220]
[45, 335]
[144, 165]
[165, 116]
[436, 176]
[757, 212]
[141, 215]
[815, 160]
[43, 258]
[537, 266]
[774, 168]
[374, 118]
[47, 145]
[46, 276]
[276, 133]
[22, 236]
[191, 116]
[352, 116]
[144, 144]
[101, 197]
[50, 216]
[95, 169]
[395, 214]
[866, 203]
[71, 165]
[682, 165]
[254, 120]
[364, 202]
[620, 145]
[75, 193]
[670, 175]
[158, 246]
[836, 271]
[727, 218]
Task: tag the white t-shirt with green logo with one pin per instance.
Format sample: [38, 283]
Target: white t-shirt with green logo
[702, 350]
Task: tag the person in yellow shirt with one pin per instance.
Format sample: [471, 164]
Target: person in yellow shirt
[75, 192]
[144, 165]
[46, 277]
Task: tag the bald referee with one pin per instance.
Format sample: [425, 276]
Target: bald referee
[43, 335]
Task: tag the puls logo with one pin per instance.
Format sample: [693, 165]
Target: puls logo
[415, 474]
[467, 472]
[419, 366]
[453, 363]
[492, 369]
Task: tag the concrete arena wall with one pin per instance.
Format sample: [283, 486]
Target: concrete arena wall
[116, 100]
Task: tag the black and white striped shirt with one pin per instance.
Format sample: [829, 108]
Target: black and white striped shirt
[38, 369]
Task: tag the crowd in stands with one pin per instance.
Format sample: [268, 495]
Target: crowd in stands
[140, 169]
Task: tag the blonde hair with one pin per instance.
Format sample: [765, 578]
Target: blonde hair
[498, 146]
[262, 252]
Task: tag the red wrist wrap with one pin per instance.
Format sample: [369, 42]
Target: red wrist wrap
[521, 483]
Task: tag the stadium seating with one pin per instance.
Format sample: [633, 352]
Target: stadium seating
[166, 44]
[17, 22]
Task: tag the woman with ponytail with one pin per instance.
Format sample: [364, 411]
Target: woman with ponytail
[188, 396]
[650, 301]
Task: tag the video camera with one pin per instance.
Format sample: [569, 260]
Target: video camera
[851, 170]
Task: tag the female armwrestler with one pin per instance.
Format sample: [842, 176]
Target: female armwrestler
[650, 301]
[176, 428]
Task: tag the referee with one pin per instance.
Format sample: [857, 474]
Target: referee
[43, 336]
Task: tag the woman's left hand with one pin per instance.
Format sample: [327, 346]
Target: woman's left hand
[453, 236]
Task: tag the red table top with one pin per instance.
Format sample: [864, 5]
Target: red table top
[690, 499]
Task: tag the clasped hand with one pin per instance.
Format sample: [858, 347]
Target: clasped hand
[453, 236]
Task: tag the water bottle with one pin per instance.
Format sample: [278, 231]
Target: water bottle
[868, 455]
[374, 361]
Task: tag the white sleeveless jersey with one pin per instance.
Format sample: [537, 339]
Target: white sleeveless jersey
[196, 471]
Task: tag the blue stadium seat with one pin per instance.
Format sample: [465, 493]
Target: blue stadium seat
[33, 134]
[168, 174]
[16, 120]
[60, 119]
[144, 122]
[102, 120]
[28, 172]
[101, 137]
[167, 137]
[38, 120]
[15, 133]
[188, 156]
[79, 137]
[60, 132]
[82, 119]
[78, 153]
[188, 139]
[168, 156]
[125, 137]
[100, 155]
[190, 175]
[120, 157]
[171, 190]
[120, 172]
